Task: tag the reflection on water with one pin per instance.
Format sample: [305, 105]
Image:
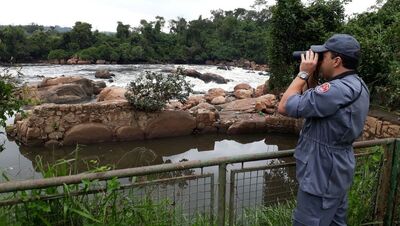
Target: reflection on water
[20, 162]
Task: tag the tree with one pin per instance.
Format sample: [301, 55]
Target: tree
[285, 30]
[81, 36]
[122, 30]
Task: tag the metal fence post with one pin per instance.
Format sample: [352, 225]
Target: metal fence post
[393, 183]
[384, 183]
[221, 193]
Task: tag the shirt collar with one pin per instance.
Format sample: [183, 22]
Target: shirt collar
[344, 74]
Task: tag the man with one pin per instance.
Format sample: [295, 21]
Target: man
[334, 114]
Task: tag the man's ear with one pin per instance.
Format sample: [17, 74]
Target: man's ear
[338, 62]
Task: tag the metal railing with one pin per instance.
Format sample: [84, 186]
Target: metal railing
[242, 182]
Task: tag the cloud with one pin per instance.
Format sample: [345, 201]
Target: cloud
[104, 14]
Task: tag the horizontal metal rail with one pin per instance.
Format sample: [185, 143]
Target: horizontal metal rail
[140, 171]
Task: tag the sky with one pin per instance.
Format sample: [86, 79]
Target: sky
[104, 14]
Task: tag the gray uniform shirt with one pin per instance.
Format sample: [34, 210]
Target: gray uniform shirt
[334, 114]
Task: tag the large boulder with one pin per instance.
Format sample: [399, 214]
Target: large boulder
[67, 93]
[88, 133]
[210, 77]
[61, 90]
[242, 86]
[103, 74]
[64, 90]
[170, 124]
[129, 133]
[243, 93]
[111, 94]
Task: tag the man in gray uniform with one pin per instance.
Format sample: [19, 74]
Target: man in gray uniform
[334, 114]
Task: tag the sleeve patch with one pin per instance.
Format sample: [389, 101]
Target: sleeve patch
[323, 88]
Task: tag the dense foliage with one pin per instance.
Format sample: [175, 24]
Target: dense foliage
[151, 91]
[9, 102]
[263, 34]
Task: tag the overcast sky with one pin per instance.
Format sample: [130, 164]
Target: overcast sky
[104, 14]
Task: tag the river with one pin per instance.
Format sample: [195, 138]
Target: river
[19, 162]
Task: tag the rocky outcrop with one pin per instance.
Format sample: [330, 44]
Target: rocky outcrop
[61, 90]
[114, 119]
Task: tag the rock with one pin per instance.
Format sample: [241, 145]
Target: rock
[252, 125]
[61, 90]
[170, 124]
[98, 86]
[260, 90]
[202, 106]
[243, 93]
[110, 80]
[246, 105]
[210, 77]
[213, 93]
[218, 100]
[112, 93]
[192, 73]
[129, 133]
[103, 74]
[52, 144]
[193, 101]
[72, 60]
[242, 86]
[225, 67]
[269, 100]
[63, 80]
[100, 62]
[174, 105]
[66, 93]
[87, 133]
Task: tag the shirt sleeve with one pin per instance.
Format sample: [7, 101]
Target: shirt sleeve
[322, 101]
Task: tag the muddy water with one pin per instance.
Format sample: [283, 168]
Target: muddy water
[19, 162]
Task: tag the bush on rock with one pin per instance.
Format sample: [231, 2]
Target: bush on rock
[151, 91]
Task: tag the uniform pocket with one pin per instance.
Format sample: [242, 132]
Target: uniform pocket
[342, 173]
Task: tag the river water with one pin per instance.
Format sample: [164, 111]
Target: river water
[19, 162]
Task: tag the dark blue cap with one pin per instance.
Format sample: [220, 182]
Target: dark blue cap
[340, 43]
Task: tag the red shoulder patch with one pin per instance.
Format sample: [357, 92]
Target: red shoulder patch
[323, 88]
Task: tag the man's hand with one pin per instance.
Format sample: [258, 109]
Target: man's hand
[309, 62]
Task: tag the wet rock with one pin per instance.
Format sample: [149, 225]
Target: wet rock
[103, 74]
[129, 133]
[210, 77]
[170, 124]
[98, 86]
[87, 133]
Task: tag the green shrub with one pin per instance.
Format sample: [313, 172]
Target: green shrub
[151, 91]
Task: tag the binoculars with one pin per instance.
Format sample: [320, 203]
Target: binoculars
[297, 55]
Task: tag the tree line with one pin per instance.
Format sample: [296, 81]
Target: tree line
[264, 34]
